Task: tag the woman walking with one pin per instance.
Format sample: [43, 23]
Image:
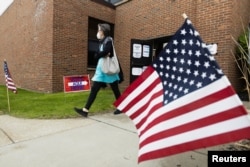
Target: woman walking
[100, 79]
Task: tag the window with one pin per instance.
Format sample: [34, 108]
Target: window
[114, 1]
[93, 43]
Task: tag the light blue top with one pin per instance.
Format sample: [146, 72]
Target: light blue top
[102, 77]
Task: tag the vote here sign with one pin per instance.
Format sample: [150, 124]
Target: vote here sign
[76, 83]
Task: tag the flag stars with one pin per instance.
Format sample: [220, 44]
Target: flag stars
[196, 33]
[196, 73]
[199, 84]
[184, 42]
[190, 53]
[206, 64]
[191, 42]
[185, 80]
[211, 58]
[212, 77]
[189, 22]
[168, 59]
[186, 91]
[191, 82]
[191, 32]
[174, 68]
[185, 65]
[168, 51]
[182, 61]
[197, 63]
[204, 75]
[183, 32]
[197, 53]
[175, 42]
[198, 43]
[176, 51]
[219, 71]
[183, 51]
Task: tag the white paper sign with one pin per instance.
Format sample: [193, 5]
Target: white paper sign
[146, 49]
[136, 71]
[137, 50]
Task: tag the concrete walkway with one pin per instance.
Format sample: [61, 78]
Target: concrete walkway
[98, 141]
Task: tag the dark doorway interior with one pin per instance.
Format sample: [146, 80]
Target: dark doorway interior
[93, 43]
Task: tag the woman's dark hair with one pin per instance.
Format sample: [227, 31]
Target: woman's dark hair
[105, 28]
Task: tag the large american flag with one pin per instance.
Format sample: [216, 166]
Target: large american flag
[183, 101]
[9, 82]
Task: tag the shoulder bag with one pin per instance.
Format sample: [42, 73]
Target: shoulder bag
[110, 65]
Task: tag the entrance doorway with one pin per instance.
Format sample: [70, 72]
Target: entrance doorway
[143, 52]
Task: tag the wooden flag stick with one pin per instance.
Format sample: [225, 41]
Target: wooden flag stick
[8, 98]
[184, 15]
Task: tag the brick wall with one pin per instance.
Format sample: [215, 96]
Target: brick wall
[26, 43]
[240, 20]
[217, 21]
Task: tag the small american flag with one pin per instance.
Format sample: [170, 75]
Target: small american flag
[183, 101]
[9, 82]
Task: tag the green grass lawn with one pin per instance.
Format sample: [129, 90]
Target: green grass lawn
[27, 104]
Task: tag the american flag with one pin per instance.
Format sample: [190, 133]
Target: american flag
[183, 101]
[9, 82]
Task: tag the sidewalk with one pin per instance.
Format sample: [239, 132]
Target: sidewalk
[98, 141]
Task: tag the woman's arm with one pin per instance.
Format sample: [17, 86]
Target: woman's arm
[107, 50]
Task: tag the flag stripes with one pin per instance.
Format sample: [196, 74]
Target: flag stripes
[185, 127]
[195, 110]
[200, 133]
[195, 144]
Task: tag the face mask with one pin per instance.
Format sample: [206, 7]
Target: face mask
[99, 35]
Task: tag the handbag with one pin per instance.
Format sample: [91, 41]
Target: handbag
[110, 65]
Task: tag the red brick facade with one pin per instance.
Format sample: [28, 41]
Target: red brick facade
[44, 40]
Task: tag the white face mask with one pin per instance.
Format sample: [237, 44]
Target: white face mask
[99, 35]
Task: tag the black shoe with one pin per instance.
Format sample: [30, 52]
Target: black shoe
[117, 112]
[81, 112]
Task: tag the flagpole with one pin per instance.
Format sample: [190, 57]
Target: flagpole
[184, 15]
[8, 98]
